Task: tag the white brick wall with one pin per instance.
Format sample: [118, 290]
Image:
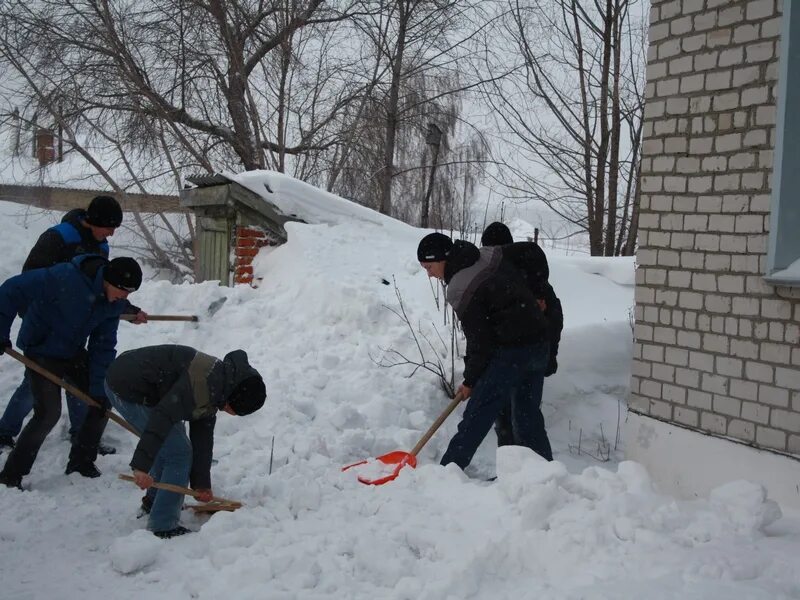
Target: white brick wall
[717, 349]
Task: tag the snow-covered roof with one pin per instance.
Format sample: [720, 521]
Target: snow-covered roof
[298, 199]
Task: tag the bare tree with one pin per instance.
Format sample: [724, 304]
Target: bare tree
[413, 52]
[339, 94]
[573, 108]
[218, 72]
[42, 100]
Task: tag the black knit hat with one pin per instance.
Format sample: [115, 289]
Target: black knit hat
[104, 211]
[248, 396]
[496, 234]
[434, 247]
[124, 273]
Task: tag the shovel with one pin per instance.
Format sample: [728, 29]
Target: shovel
[215, 505]
[399, 458]
[191, 318]
[34, 366]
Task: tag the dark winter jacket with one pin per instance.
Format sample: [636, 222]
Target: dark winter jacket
[530, 259]
[63, 242]
[495, 307]
[64, 306]
[179, 384]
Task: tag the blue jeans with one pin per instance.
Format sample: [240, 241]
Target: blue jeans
[513, 379]
[21, 404]
[172, 464]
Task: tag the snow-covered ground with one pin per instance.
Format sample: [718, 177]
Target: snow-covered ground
[316, 329]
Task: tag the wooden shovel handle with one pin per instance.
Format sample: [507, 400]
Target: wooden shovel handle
[192, 318]
[34, 366]
[178, 489]
[436, 424]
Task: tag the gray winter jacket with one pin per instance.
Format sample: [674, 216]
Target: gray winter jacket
[495, 306]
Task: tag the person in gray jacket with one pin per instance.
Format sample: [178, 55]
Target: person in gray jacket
[507, 347]
[156, 388]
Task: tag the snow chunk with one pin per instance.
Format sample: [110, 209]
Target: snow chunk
[134, 552]
[746, 504]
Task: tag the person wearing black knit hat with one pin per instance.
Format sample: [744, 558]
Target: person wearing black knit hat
[432, 253]
[434, 247]
[81, 231]
[496, 234]
[531, 261]
[156, 389]
[124, 273]
[104, 211]
[506, 336]
[69, 326]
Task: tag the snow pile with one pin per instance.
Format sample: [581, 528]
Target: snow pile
[317, 328]
[746, 506]
[434, 533]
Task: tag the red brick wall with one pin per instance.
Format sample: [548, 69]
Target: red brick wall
[249, 240]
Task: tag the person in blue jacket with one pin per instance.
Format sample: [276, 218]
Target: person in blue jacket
[80, 232]
[71, 315]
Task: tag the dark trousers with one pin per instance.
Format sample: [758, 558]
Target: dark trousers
[513, 380]
[509, 435]
[47, 410]
[21, 404]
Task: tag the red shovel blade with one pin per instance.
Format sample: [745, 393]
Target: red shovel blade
[399, 458]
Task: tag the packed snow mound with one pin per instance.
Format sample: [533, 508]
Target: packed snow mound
[326, 316]
[434, 533]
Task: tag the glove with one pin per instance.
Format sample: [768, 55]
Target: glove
[5, 344]
[204, 495]
[552, 366]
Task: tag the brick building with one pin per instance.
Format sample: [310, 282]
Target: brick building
[715, 390]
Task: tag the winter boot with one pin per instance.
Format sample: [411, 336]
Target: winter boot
[6, 441]
[102, 449]
[171, 533]
[12, 481]
[105, 449]
[85, 468]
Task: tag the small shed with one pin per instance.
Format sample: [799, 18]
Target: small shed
[233, 223]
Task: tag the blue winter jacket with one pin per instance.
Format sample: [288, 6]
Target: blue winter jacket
[64, 305]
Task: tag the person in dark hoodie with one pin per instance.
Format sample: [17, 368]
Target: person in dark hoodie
[71, 315]
[80, 232]
[532, 262]
[507, 348]
[156, 389]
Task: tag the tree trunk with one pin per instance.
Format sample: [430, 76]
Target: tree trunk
[616, 130]
[427, 202]
[392, 111]
[597, 246]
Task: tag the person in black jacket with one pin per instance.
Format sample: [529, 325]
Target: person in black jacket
[80, 232]
[71, 314]
[156, 389]
[507, 347]
[532, 262]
